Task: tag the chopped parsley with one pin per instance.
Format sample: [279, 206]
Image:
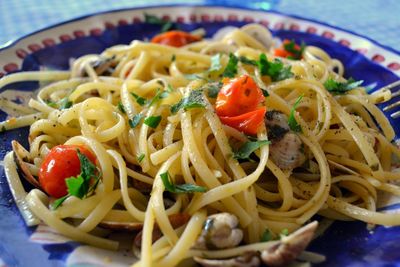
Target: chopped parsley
[135, 120]
[173, 58]
[65, 103]
[194, 100]
[51, 103]
[159, 95]
[180, 188]
[293, 124]
[152, 121]
[231, 68]
[82, 185]
[264, 92]
[249, 147]
[247, 61]
[276, 69]
[294, 49]
[213, 89]
[140, 157]
[140, 100]
[165, 24]
[266, 236]
[121, 107]
[338, 88]
[170, 89]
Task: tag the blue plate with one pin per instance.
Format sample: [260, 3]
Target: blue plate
[344, 244]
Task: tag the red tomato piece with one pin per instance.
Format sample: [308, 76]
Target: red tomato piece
[175, 38]
[62, 162]
[238, 96]
[247, 123]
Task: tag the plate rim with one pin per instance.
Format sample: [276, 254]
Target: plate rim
[13, 42]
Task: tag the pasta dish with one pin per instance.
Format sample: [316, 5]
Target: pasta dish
[231, 151]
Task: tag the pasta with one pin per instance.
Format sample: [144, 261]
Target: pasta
[148, 112]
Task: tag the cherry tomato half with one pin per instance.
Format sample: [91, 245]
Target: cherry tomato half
[62, 162]
[247, 123]
[175, 38]
[238, 96]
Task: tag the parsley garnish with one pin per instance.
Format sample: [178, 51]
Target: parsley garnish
[121, 107]
[247, 61]
[65, 103]
[264, 92]
[194, 100]
[249, 147]
[231, 68]
[159, 95]
[51, 103]
[140, 157]
[293, 125]
[338, 88]
[165, 25]
[284, 232]
[170, 89]
[152, 121]
[140, 100]
[135, 120]
[291, 48]
[213, 89]
[276, 70]
[173, 58]
[180, 188]
[266, 236]
[82, 185]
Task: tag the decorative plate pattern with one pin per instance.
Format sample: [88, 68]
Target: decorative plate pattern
[344, 244]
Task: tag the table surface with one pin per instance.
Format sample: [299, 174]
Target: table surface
[377, 19]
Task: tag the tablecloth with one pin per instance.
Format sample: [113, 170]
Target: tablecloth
[377, 19]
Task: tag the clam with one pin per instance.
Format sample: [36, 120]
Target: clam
[286, 150]
[277, 253]
[220, 231]
[21, 157]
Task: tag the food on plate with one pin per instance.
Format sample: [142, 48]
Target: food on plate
[218, 151]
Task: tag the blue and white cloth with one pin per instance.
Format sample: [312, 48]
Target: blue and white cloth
[377, 19]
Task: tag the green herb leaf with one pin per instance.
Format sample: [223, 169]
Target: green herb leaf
[264, 92]
[159, 95]
[194, 100]
[284, 232]
[215, 63]
[213, 89]
[266, 236]
[152, 121]
[140, 100]
[135, 120]
[173, 58]
[296, 52]
[247, 61]
[170, 89]
[51, 103]
[140, 157]
[65, 103]
[231, 68]
[276, 70]
[249, 147]
[340, 88]
[180, 189]
[165, 25]
[57, 203]
[293, 125]
[121, 107]
[80, 186]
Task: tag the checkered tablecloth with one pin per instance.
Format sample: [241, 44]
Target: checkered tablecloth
[377, 19]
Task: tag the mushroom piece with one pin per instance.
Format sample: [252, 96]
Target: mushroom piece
[21, 156]
[248, 259]
[286, 150]
[221, 33]
[290, 247]
[260, 33]
[220, 231]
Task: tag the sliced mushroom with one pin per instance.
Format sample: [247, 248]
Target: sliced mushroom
[286, 150]
[221, 33]
[248, 259]
[260, 33]
[21, 157]
[290, 247]
[220, 231]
